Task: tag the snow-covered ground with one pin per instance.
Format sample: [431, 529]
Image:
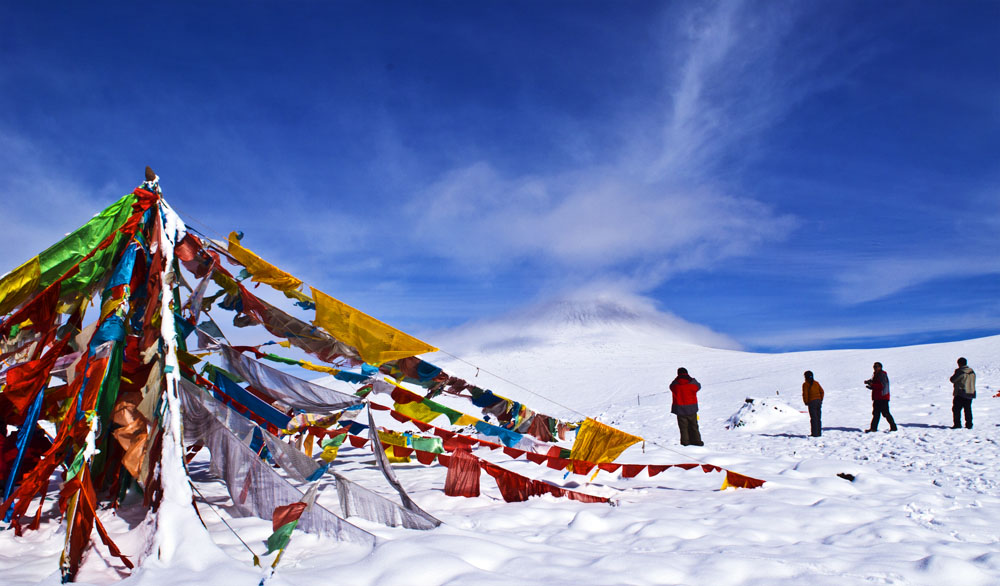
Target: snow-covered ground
[924, 507]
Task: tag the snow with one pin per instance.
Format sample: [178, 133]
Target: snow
[923, 507]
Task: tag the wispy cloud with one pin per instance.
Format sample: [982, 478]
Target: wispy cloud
[887, 276]
[884, 332]
[40, 202]
[653, 204]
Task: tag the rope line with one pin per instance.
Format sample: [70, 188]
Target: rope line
[221, 518]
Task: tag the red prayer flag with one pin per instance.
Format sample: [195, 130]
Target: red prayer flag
[463, 475]
[402, 452]
[443, 433]
[654, 470]
[426, 458]
[740, 481]
[609, 466]
[536, 458]
[582, 466]
[403, 396]
[513, 452]
[286, 514]
[631, 470]
[557, 463]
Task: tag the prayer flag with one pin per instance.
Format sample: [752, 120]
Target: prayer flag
[376, 341]
[261, 270]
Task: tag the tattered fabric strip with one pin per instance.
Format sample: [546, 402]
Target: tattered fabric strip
[383, 464]
[296, 464]
[254, 486]
[285, 388]
[358, 501]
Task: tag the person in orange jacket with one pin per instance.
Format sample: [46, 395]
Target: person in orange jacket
[812, 396]
[685, 406]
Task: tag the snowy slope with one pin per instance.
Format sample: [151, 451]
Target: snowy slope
[923, 509]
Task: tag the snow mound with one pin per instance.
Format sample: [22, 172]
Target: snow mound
[756, 414]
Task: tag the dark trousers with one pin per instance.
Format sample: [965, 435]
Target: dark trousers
[881, 407]
[958, 405]
[815, 410]
[688, 424]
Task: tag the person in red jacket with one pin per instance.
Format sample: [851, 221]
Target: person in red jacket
[685, 406]
[879, 384]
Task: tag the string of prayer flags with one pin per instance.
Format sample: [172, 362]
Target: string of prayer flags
[556, 459]
[510, 414]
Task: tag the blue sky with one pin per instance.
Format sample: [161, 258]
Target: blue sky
[793, 175]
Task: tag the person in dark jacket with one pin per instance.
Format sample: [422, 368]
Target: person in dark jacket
[685, 406]
[812, 396]
[879, 385]
[964, 381]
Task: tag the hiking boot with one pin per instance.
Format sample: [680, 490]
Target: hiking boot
[870, 430]
[893, 429]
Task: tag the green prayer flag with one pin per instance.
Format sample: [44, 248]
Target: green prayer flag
[335, 441]
[433, 445]
[77, 464]
[61, 256]
[280, 538]
[281, 359]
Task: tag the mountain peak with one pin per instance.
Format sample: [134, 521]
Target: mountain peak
[581, 316]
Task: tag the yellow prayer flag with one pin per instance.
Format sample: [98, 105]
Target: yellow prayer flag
[329, 453]
[392, 438]
[376, 342]
[466, 420]
[318, 368]
[417, 410]
[17, 285]
[599, 443]
[261, 270]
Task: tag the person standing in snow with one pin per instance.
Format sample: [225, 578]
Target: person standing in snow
[964, 381]
[812, 396]
[879, 385]
[685, 406]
